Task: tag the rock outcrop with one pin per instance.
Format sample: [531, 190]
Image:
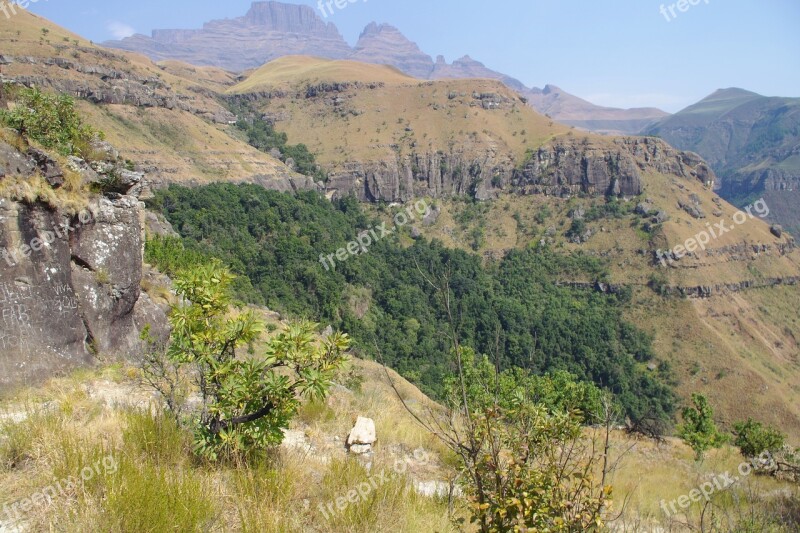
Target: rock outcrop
[69, 283]
[563, 168]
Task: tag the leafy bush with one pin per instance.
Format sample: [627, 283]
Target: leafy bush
[753, 439]
[50, 120]
[247, 402]
[525, 464]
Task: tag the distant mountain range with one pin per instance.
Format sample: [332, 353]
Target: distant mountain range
[751, 141]
[271, 30]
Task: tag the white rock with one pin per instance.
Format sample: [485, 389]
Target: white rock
[363, 432]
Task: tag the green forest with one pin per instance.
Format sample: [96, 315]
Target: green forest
[391, 299]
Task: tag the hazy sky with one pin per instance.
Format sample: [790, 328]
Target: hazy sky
[622, 53]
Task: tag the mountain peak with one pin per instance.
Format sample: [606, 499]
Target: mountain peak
[385, 44]
[732, 92]
[550, 89]
[467, 60]
[373, 28]
[292, 18]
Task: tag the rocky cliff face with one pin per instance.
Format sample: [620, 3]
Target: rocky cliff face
[70, 283]
[563, 168]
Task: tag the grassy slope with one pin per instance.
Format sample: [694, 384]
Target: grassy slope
[176, 145]
[371, 123]
[285, 71]
[160, 487]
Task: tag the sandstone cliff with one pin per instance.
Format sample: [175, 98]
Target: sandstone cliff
[70, 282]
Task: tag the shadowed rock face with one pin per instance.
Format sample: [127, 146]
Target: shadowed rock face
[70, 285]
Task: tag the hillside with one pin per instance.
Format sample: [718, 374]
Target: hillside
[270, 30]
[399, 139]
[753, 143]
[101, 415]
[166, 117]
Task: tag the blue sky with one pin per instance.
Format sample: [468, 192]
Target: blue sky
[622, 53]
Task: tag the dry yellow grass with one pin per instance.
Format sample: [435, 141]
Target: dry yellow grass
[288, 71]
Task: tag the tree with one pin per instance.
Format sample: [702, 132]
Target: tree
[698, 429]
[246, 401]
[753, 439]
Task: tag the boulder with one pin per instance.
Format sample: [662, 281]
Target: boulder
[776, 230]
[362, 436]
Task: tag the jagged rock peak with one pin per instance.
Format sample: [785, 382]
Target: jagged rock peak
[373, 28]
[292, 18]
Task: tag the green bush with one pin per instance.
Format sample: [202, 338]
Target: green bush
[247, 402]
[753, 439]
[52, 121]
[698, 429]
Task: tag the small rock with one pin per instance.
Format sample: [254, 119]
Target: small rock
[51, 171]
[577, 214]
[660, 217]
[776, 230]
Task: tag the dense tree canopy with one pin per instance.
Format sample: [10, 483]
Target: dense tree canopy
[512, 308]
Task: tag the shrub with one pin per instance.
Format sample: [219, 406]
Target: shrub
[519, 438]
[52, 121]
[753, 439]
[247, 402]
